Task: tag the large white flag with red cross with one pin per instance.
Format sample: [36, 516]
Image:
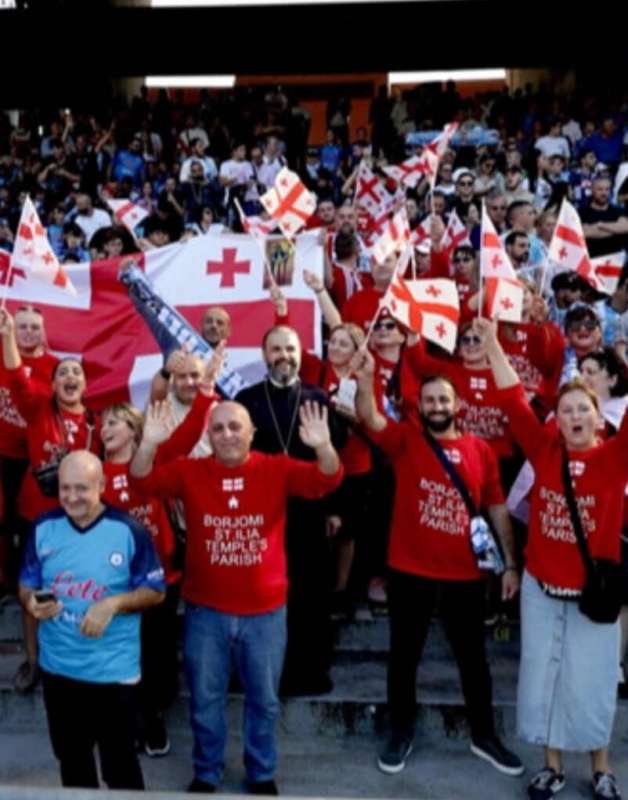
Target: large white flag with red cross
[120, 355]
[410, 172]
[394, 236]
[428, 307]
[456, 234]
[288, 202]
[568, 247]
[608, 269]
[32, 254]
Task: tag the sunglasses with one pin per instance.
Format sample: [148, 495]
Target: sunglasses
[388, 325]
[586, 324]
[470, 340]
[462, 259]
[465, 183]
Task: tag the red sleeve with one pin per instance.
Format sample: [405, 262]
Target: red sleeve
[546, 348]
[439, 264]
[282, 319]
[616, 448]
[391, 439]
[186, 435]
[311, 368]
[528, 432]
[304, 479]
[492, 492]
[27, 395]
[421, 364]
[165, 481]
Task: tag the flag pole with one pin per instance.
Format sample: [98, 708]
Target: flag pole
[480, 283]
[5, 293]
[261, 247]
[546, 259]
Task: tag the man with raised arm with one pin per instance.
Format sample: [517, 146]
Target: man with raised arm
[235, 581]
[431, 560]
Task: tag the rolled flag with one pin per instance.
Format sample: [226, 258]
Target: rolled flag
[33, 254]
[127, 213]
[441, 142]
[288, 202]
[258, 228]
[568, 247]
[394, 236]
[608, 270]
[504, 292]
[430, 308]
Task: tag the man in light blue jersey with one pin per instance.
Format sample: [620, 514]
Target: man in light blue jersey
[88, 572]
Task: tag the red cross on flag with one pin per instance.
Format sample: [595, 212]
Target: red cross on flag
[370, 192]
[288, 202]
[608, 270]
[568, 247]
[127, 213]
[421, 234]
[494, 261]
[439, 145]
[503, 291]
[258, 227]
[427, 307]
[33, 254]
[456, 234]
[394, 236]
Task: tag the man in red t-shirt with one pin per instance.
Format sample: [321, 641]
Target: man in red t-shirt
[235, 581]
[431, 559]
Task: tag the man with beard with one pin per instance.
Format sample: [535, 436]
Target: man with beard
[431, 561]
[273, 405]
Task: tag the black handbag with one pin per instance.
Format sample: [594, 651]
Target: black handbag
[602, 593]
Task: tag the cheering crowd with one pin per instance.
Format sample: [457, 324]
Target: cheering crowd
[485, 482]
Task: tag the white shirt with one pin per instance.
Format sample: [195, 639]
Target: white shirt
[268, 171]
[209, 165]
[189, 134]
[90, 224]
[242, 172]
[553, 146]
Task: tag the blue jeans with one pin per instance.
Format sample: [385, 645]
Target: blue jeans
[256, 644]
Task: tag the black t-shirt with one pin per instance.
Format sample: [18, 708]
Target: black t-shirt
[609, 244]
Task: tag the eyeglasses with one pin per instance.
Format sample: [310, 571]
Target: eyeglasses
[470, 340]
[586, 324]
[388, 325]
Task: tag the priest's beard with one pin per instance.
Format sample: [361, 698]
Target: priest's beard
[284, 371]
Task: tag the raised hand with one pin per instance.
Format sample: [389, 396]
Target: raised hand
[362, 366]
[175, 361]
[278, 299]
[314, 429]
[486, 329]
[539, 310]
[213, 369]
[158, 423]
[312, 281]
[7, 323]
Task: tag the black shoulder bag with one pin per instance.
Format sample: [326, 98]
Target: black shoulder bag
[602, 593]
[47, 476]
[484, 544]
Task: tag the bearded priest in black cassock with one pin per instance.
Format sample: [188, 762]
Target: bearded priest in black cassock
[274, 408]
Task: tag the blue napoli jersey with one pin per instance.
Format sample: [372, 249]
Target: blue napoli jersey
[113, 555]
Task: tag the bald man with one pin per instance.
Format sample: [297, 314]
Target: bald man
[88, 572]
[235, 580]
[215, 325]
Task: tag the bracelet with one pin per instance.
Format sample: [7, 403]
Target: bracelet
[319, 291]
[164, 374]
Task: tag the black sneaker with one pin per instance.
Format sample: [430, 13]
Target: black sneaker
[268, 788]
[200, 787]
[605, 786]
[493, 751]
[156, 742]
[393, 757]
[546, 784]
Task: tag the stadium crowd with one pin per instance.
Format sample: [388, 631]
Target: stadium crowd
[385, 470]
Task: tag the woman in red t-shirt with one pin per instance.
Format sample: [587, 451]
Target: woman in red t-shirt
[568, 675]
[57, 423]
[31, 343]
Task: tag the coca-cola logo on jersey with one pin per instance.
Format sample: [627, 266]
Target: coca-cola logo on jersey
[64, 585]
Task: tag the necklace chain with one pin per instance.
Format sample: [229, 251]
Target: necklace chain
[285, 443]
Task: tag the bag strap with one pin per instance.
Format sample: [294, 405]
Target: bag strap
[576, 522]
[452, 472]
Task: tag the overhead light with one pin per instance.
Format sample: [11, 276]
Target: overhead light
[190, 81]
[243, 3]
[441, 76]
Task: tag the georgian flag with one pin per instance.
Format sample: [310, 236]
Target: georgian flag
[439, 145]
[456, 234]
[32, 254]
[370, 193]
[409, 172]
[568, 247]
[430, 308]
[504, 292]
[421, 234]
[127, 213]
[288, 202]
[395, 235]
[608, 270]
